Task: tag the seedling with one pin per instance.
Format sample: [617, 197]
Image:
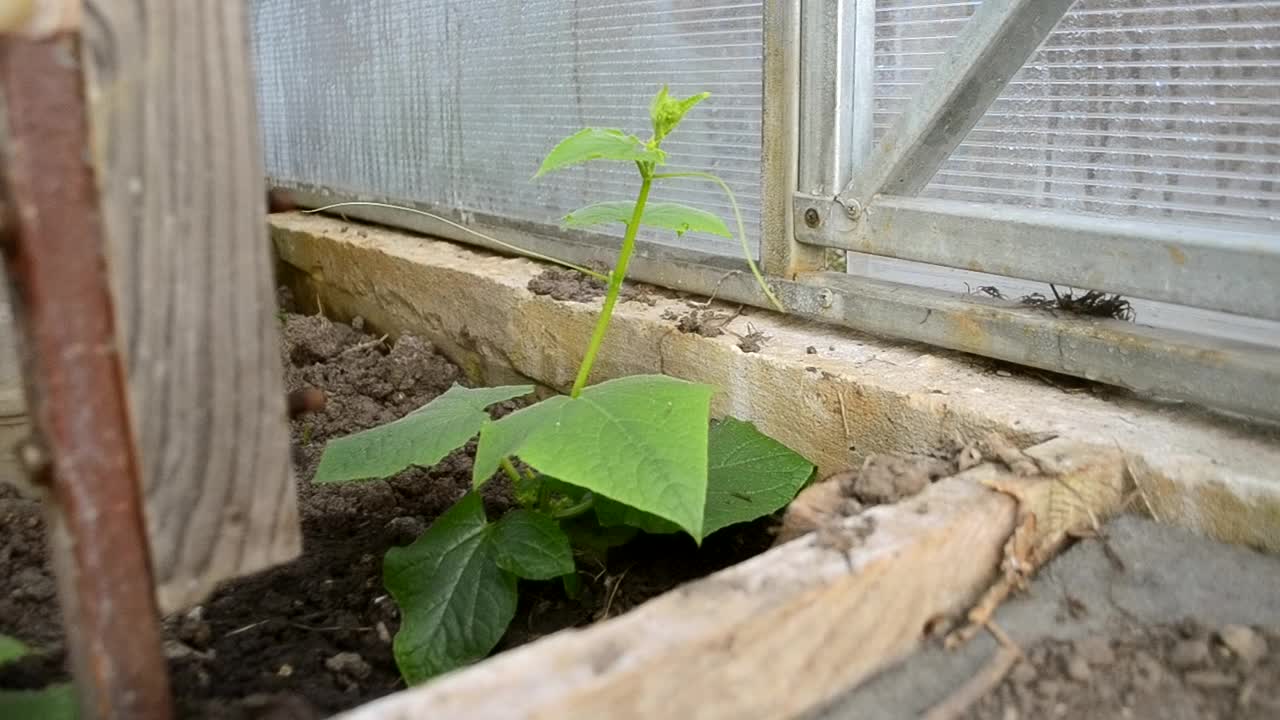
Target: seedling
[599, 464]
[53, 702]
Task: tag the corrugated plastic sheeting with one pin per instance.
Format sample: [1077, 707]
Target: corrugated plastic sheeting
[1164, 109]
[455, 102]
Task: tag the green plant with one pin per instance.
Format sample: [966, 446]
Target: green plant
[601, 463]
[55, 702]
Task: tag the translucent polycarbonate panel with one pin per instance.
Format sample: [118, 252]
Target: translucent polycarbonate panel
[1142, 108]
[455, 102]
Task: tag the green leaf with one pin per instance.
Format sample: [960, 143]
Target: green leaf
[749, 474]
[11, 649]
[588, 536]
[599, 144]
[611, 513]
[55, 702]
[423, 437]
[666, 112]
[668, 216]
[640, 440]
[455, 601]
[532, 546]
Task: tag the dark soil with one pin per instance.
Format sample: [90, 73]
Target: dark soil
[313, 638]
[1184, 671]
[571, 285]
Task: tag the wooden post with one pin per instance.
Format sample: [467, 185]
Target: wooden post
[84, 453]
[145, 311]
[180, 165]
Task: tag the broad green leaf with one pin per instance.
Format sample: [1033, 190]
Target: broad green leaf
[614, 514]
[640, 440]
[668, 216]
[666, 112]
[455, 601]
[531, 545]
[749, 474]
[423, 437]
[588, 535]
[599, 144]
[55, 702]
[11, 649]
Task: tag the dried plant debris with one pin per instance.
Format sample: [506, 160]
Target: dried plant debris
[707, 323]
[1092, 303]
[753, 341]
[884, 478]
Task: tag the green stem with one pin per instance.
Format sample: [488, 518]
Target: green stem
[510, 470]
[574, 511]
[466, 229]
[615, 285]
[742, 233]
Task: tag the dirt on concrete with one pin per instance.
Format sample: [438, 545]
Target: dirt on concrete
[571, 285]
[313, 637]
[1183, 627]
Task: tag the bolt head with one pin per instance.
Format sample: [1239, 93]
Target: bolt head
[812, 218]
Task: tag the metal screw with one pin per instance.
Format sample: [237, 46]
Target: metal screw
[812, 218]
[826, 298]
[852, 207]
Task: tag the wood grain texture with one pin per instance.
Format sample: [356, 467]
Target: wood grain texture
[777, 636]
[180, 168]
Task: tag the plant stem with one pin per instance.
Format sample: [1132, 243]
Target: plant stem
[574, 511]
[742, 234]
[510, 470]
[615, 285]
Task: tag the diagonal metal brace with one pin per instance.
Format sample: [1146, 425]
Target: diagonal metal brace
[993, 46]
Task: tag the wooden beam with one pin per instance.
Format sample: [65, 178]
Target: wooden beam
[776, 636]
[181, 175]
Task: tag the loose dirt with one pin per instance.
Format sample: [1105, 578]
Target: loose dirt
[1186, 628]
[312, 638]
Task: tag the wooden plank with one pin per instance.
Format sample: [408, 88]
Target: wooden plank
[83, 455]
[15, 426]
[776, 636]
[181, 172]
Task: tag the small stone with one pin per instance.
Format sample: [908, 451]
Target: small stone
[1024, 673]
[1150, 673]
[31, 584]
[1078, 669]
[811, 350]
[350, 664]
[193, 629]
[1048, 689]
[1247, 644]
[285, 670]
[1004, 373]
[1188, 654]
[178, 650]
[1096, 651]
[1210, 679]
[405, 529]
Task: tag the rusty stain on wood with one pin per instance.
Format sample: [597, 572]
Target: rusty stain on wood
[77, 399]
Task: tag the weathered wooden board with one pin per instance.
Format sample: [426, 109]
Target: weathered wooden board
[180, 168]
[774, 637]
[14, 424]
